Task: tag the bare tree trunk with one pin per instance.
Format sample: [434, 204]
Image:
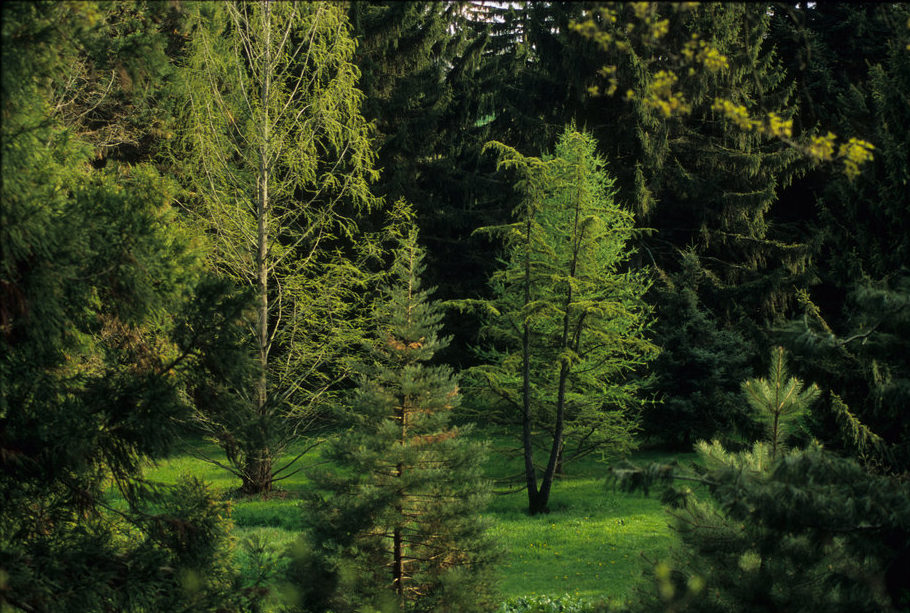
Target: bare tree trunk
[258, 478]
[530, 471]
[397, 540]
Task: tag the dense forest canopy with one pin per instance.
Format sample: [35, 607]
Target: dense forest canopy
[353, 242]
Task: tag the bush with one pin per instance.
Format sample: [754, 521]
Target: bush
[548, 604]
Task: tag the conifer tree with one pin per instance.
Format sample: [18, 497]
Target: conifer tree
[700, 369]
[569, 324]
[810, 531]
[799, 529]
[854, 70]
[106, 313]
[779, 401]
[279, 160]
[430, 88]
[401, 519]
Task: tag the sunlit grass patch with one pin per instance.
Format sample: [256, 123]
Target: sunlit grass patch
[589, 546]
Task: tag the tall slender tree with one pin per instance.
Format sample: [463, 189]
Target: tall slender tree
[279, 159]
[570, 323]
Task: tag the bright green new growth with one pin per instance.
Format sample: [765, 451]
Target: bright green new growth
[779, 400]
[569, 322]
[402, 522]
[280, 160]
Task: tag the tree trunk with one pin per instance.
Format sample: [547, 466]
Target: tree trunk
[257, 477]
[257, 474]
[530, 472]
[397, 541]
[546, 481]
[559, 460]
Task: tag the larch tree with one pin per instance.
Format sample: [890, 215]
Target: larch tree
[399, 518]
[569, 322]
[278, 162]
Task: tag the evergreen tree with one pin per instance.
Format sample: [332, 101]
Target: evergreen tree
[279, 159]
[117, 93]
[811, 531]
[704, 183]
[106, 314]
[796, 530]
[570, 324]
[701, 366]
[855, 71]
[429, 89]
[400, 520]
[779, 401]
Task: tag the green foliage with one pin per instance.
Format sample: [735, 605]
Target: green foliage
[775, 515]
[704, 186]
[778, 401]
[399, 518]
[430, 91]
[546, 604]
[277, 160]
[808, 532]
[700, 368]
[107, 314]
[118, 78]
[854, 322]
[568, 324]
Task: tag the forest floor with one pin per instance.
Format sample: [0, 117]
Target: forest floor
[592, 545]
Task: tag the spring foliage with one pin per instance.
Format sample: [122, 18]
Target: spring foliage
[568, 323]
[277, 160]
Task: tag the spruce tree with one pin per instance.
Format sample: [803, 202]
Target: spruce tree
[430, 90]
[701, 366]
[400, 519]
[854, 70]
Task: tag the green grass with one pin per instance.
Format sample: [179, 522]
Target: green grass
[589, 545]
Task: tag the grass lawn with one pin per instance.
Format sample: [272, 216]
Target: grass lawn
[589, 545]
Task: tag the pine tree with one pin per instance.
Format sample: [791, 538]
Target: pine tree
[779, 401]
[106, 313]
[401, 520]
[569, 324]
[810, 531]
[117, 93]
[278, 157]
[794, 529]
